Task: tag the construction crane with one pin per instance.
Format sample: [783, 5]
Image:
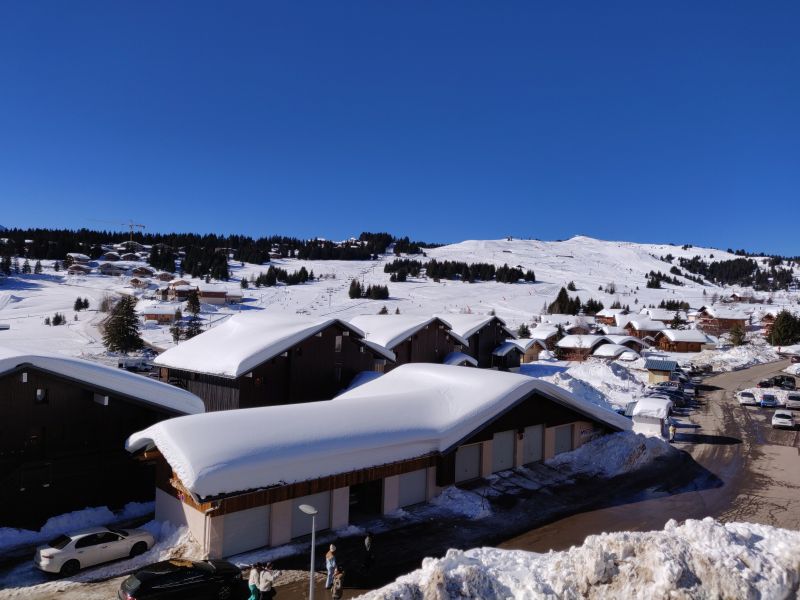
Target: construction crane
[130, 225]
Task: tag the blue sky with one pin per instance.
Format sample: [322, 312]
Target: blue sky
[674, 122]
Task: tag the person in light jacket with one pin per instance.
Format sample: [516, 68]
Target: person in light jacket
[252, 582]
[330, 566]
[266, 582]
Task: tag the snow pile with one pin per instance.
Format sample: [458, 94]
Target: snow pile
[738, 357]
[793, 369]
[463, 503]
[601, 383]
[73, 521]
[622, 453]
[698, 559]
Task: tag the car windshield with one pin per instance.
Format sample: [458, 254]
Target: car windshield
[769, 397]
[783, 415]
[748, 394]
[59, 542]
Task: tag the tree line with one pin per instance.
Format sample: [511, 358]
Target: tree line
[457, 270]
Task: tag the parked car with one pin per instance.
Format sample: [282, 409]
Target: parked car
[783, 418]
[747, 398]
[796, 358]
[67, 554]
[793, 401]
[769, 401]
[178, 578]
[765, 383]
[785, 382]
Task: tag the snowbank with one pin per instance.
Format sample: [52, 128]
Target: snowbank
[602, 383]
[621, 453]
[463, 503]
[80, 519]
[698, 559]
[740, 357]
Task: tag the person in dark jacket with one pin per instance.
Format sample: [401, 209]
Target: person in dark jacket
[337, 589]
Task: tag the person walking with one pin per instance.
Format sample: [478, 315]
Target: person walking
[252, 582]
[369, 558]
[337, 590]
[672, 430]
[330, 566]
[266, 582]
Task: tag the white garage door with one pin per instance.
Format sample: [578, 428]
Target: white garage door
[245, 530]
[503, 451]
[533, 445]
[468, 462]
[301, 522]
[413, 487]
[563, 438]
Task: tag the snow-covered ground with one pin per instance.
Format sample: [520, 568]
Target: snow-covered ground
[694, 559]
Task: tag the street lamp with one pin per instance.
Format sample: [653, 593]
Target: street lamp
[310, 510]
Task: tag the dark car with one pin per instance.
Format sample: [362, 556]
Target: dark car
[765, 383]
[178, 578]
[785, 382]
[796, 358]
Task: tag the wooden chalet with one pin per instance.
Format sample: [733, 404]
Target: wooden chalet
[607, 316]
[79, 269]
[385, 445]
[579, 347]
[163, 315]
[111, 269]
[212, 294]
[267, 359]
[659, 370]
[143, 271]
[643, 328]
[679, 340]
[482, 334]
[63, 424]
[717, 320]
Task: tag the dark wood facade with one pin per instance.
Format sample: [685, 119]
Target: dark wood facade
[315, 369]
[429, 344]
[484, 341]
[62, 447]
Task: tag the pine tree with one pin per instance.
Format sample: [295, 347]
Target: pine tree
[383, 311]
[193, 303]
[243, 283]
[785, 329]
[397, 310]
[121, 328]
[524, 331]
[26, 267]
[86, 304]
[78, 304]
[737, 335]
[355, 289]
[571, 286]
[177, 331]
[37, 268]
[677, 322]
[193, 327]
[56, 266]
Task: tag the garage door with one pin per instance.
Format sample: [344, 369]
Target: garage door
[533, 445]
[301, 522]
[468, 462]
[503, 451]
[563, 438]
[413, 487]
[245, 530]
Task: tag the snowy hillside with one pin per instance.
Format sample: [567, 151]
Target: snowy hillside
[698, 559]
[25, 300]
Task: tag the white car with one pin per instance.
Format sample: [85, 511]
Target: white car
[747, 398]
[783, 418]
[67, 554]
[793, 400]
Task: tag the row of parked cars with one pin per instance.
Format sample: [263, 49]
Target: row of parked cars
[784, 382]
[65, 555]
[783, 417]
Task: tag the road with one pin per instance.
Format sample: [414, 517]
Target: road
[750, 474]
[759, 468]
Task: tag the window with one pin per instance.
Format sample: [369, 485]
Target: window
[41, 396]
[337, 344]
[89, 540]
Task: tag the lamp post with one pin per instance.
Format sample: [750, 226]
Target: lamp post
[310, 510]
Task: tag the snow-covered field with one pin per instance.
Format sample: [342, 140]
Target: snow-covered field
[695, 559]
[26, 300]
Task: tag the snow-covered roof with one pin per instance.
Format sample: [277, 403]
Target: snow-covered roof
[610, 312]
[243, 342]
[543, 332]
[78, 256]
[459, 358]
[611, 350]
[661, 314]
[115, 381]
[414, 410]
[524, 344]
[184, 288]
[625, 339]
[361, 378]
[558, 319]
[168, 309]
[644, 324]
[656, 408]
[390, 330]
[613, 330]
[211, 288]
[581, 341]
[723, 312]
[465, 325]
[686, 335]
[506, 347]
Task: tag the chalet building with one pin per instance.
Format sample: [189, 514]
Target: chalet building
[265, 359]
[546, 334]
[663, 315]
[679, 340]
[483, 334]
[234, 297]
[111, 269]
[458, 359]
[211, 294]
[659, 370]
[507, 356]
[571, 324]
[530, 348]
[139, 283]
[143, 271]
[79, 269]
[76, 258]
[131, 246]
[607, 316]
[164, 276]
[163, 315]
[372, 450]
[612, 330]
[110, 257]
[130, 256]
[180, 292]
[614, 352]
[409, 338]
[643, 328]
[628, 341]
[63, 424]
[717, 320]
[767, 321]
[579, 347]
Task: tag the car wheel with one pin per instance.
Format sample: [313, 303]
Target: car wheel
[70, 567]
[224, 592]
[138, 548]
